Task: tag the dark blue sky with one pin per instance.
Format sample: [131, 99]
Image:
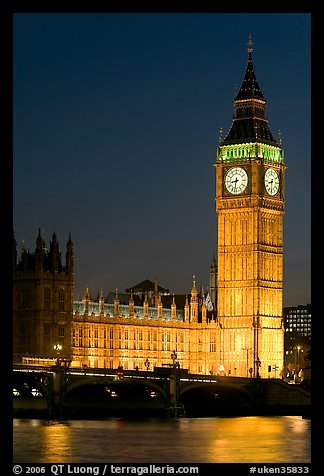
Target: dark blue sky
[116, 124]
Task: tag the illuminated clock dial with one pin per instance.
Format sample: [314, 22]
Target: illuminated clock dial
[271, 181]
[236, 180]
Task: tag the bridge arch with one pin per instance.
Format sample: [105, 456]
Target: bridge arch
[24, 383]
[111, 381]
[100, 396]
[214, 398]
[31, 392]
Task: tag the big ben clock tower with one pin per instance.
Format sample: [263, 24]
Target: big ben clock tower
[250, 207]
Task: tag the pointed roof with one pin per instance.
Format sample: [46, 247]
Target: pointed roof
[249, 122]
[250, 87]
[147, 285]
[40, 243]
[213, 266]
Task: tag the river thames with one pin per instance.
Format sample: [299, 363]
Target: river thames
[285, 439]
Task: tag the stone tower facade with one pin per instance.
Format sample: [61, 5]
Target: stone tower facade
[43, 299]
[250, 207]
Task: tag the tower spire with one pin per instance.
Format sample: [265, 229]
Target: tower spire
[250, 87]
[249, 123]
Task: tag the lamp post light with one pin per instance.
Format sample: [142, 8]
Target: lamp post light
[58, 348]
[174, 357]
[221, 369]
[258, 365]
[176, 407]
[298, 349]
[298, 370]
[58, 382]
[147, 363]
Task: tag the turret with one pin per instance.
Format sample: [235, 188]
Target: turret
[69, 256]
[159, 306]
[194, 303]
[116, 305]
[25, 261]
[203, 311]
[186, 310]
[145, 306]
[156, 294]
[213, 281]
[40, 253]
[101, 304]
[55, 255]
[131, 306]
[173, 309]
[86, 300]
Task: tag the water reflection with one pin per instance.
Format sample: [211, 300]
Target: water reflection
[196, 440]
[57, 439]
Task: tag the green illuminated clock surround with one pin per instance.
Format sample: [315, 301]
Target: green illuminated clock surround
[236, 180]
[271, 181]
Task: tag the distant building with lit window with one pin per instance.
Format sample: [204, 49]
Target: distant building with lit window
[298, 334]
[298, 322]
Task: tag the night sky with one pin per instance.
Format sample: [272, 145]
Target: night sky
[116, 122]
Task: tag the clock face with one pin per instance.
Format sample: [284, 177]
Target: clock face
[271, 181]
[236, 180]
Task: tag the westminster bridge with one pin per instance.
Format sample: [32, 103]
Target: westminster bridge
[61, 391]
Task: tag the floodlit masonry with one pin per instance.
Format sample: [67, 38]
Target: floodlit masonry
[241, 335]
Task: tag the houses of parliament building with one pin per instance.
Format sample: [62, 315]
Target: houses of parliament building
[236, 329]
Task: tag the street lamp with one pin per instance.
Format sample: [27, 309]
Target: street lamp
[174, 357]
[58, 348]
[258, 365]
[176, 406]
[147, 363]
[298, 349]
[221, 369]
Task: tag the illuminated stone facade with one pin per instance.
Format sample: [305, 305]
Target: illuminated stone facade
[143, 337]
[98, 334]
[242, 336]
[250, 208]
[42, 298]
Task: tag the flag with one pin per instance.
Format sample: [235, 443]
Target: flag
[209, 304]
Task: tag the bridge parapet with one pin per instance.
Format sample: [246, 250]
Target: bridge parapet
[224, 393]
[277, 392]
